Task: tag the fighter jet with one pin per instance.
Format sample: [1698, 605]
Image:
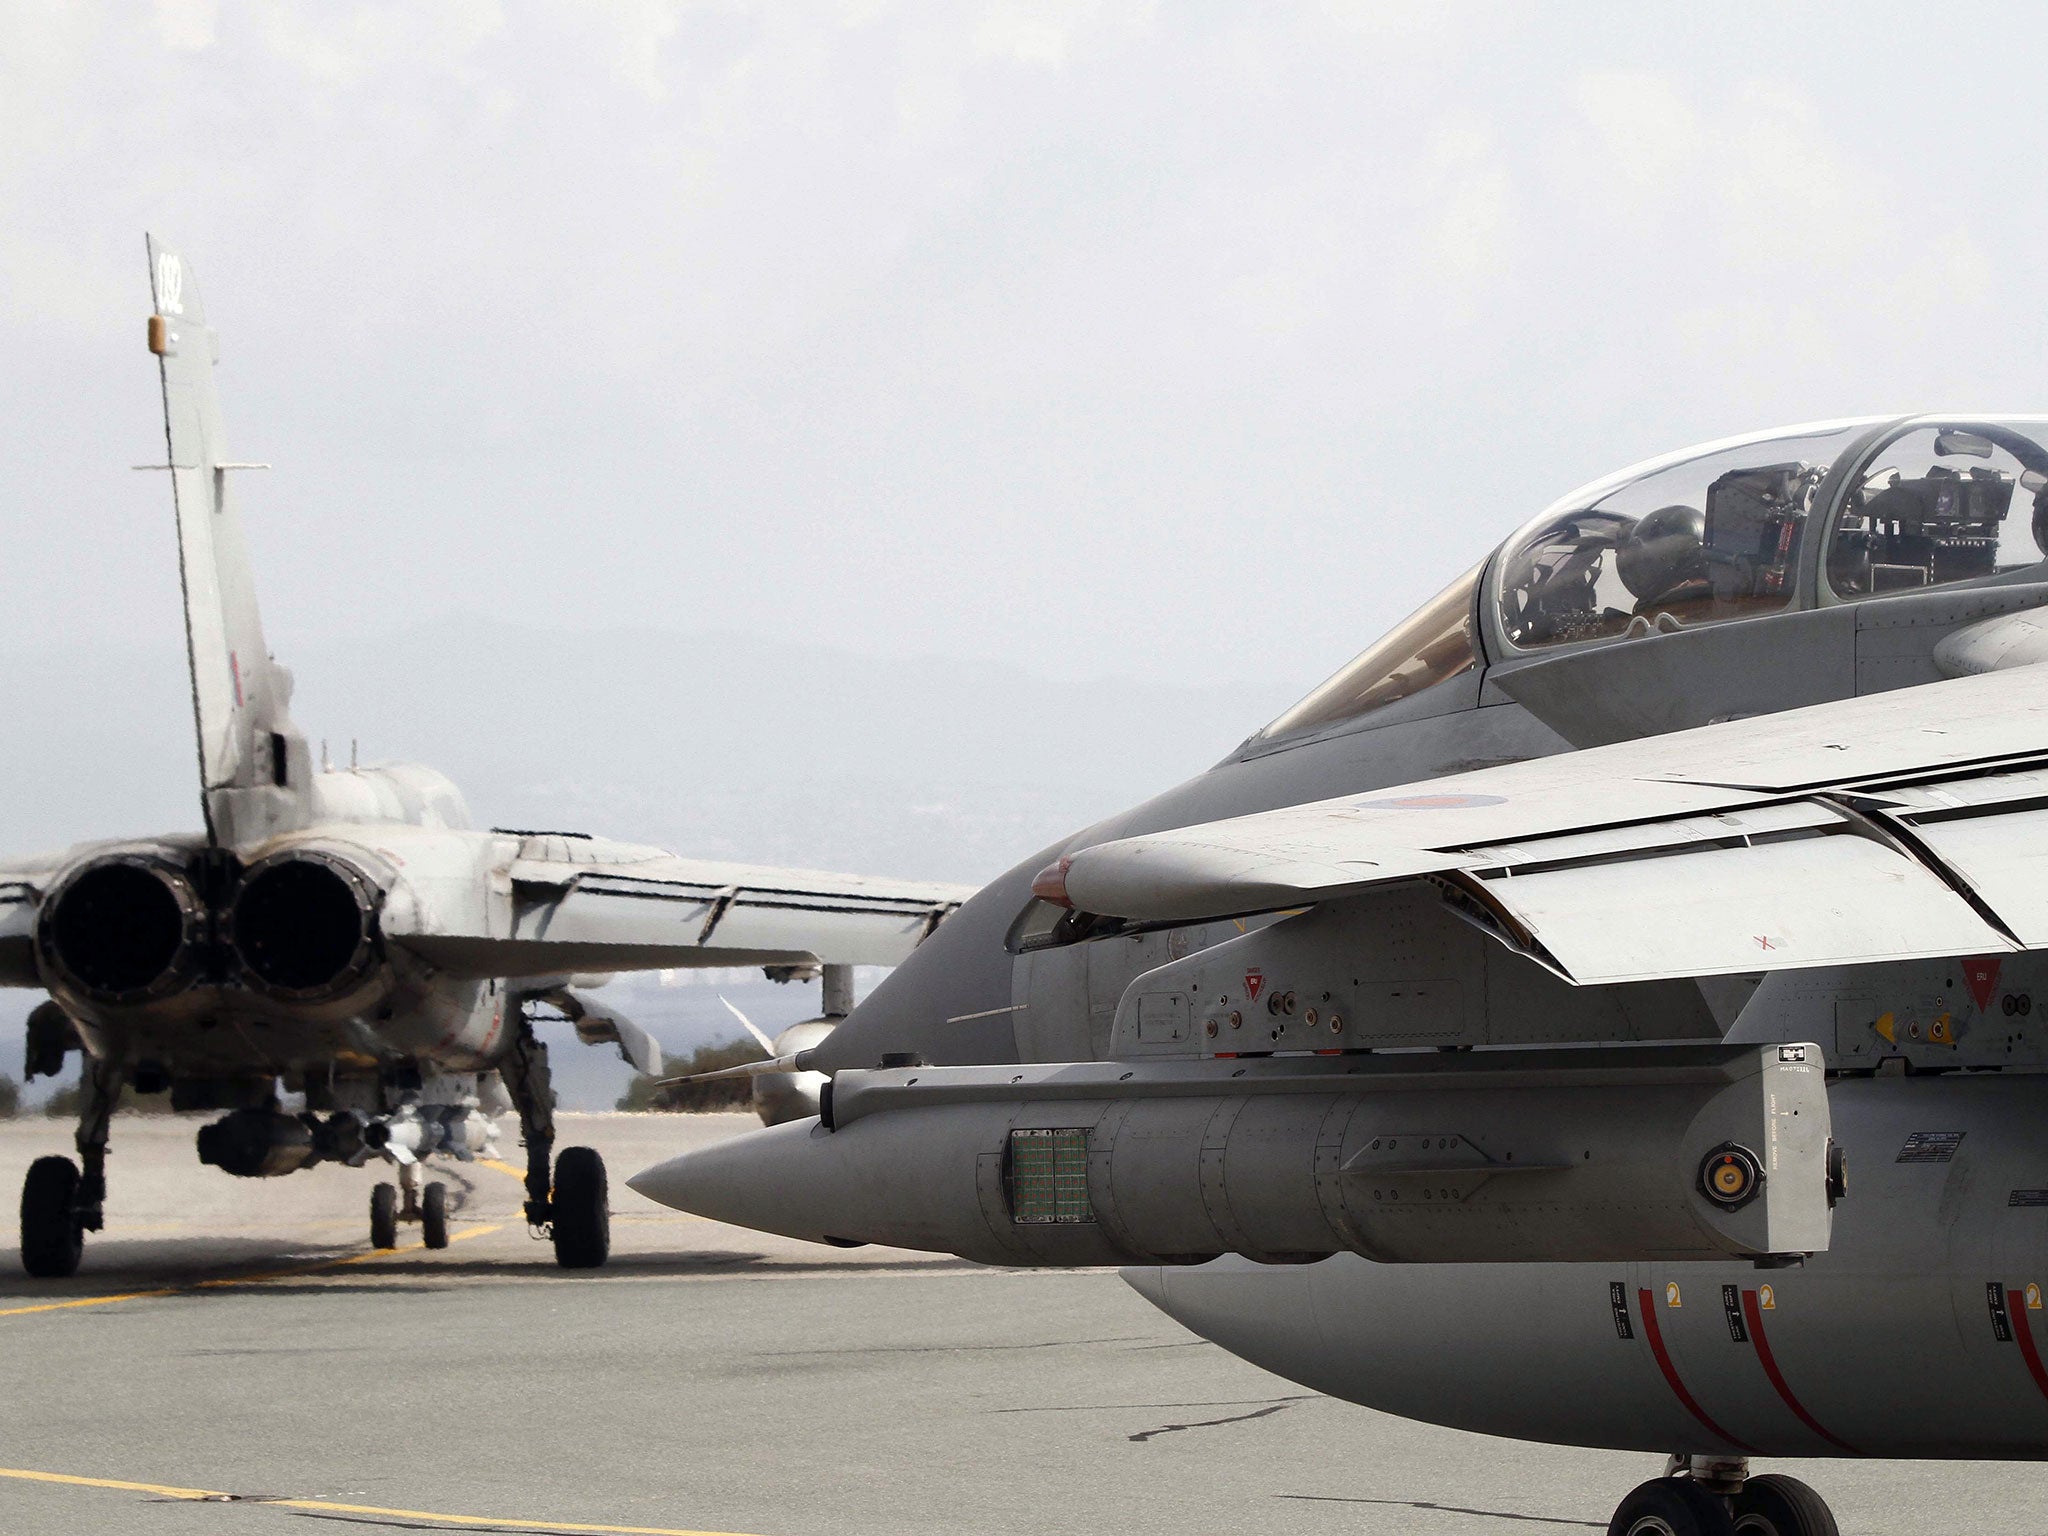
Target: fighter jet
[345, 935]
[1602, 1013]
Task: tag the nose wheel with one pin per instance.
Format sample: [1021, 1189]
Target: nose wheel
[1672, 1506]
[1719, 1498]
[428, 1207]
[1775, 1505]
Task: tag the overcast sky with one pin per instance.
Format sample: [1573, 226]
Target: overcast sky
[1106, 339]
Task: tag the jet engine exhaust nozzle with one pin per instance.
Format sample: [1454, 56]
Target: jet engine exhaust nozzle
[128, 928]
[304, 925]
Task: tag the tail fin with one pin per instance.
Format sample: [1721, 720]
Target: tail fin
[254, 771]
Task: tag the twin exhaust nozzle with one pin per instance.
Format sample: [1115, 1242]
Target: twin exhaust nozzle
[135, 927]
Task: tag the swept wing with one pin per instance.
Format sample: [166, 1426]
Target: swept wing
[1893, 826]
[579, 904]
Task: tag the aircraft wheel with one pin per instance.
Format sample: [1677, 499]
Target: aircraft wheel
[52, 1240]
[434, 1215]
[1775, 1505]
[384, 1216]
[1672, 1506]
[582, 1214]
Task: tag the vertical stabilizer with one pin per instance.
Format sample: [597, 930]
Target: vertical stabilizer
[255, 774]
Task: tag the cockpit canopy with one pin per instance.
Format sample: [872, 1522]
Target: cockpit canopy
[1797, 517]
[1699, 538]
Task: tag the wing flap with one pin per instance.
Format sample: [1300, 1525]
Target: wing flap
[1824, 899]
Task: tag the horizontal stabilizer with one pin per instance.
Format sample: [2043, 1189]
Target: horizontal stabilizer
[17, 937]
[598, 1023]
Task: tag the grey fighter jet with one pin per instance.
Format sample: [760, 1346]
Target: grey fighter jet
[344, 934]
[1603, 1013]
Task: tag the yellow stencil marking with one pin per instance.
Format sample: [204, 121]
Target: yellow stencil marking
[1671, 1295]
[232, 1280]
[214, 1496]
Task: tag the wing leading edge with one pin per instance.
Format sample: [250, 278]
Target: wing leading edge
[1893, 826]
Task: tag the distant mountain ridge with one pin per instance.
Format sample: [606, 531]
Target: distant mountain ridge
[713, 744]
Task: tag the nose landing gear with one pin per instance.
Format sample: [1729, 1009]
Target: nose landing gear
[428, 1207]
[1716, 1496]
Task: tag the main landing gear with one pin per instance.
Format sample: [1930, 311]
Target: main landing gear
[1716, 1496]
[60, 1202]
[428, 1207]
[574, 1206]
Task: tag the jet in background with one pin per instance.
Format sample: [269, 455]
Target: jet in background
[346, 936]
[1603, 1013]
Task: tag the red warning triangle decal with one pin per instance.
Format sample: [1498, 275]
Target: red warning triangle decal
[1254, 982]
[1982, 975]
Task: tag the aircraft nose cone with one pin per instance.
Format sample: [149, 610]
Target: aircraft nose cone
[768, 1179]
[1149, 1281]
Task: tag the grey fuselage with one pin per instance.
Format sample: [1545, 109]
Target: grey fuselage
[1912, 1334]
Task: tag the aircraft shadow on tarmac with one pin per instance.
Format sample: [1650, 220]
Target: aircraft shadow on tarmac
[203, 1265]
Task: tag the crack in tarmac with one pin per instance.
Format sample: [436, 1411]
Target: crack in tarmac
[1237, 1402]
[1239, 1418]
[935, 1349]
[1447, 1509]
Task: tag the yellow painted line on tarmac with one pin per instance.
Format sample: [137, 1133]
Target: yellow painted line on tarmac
[232, 1280]
[329, 1506]
[83, 1301]
[161, 1490]
[502, 1167]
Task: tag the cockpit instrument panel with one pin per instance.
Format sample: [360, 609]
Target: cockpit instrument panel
[1936, 505]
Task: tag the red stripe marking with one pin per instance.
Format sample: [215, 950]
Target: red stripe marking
[1755, 1314]
[2016, 1304]
[1686, 1400]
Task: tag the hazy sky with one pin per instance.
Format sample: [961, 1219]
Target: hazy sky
[1154, 340]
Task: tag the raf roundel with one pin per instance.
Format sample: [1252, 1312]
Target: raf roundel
[1431, 802]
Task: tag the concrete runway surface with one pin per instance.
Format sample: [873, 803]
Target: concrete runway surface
[233, 1358]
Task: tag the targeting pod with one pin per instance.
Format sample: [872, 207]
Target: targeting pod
[1490, 1156]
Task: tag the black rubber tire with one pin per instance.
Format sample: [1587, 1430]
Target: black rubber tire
[384, 1216]
[1776, 1505]
[581, 1209]
[434, 1215]
[52, 1241]
[1672, 1506]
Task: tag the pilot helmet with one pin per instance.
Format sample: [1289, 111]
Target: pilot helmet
[1665, 550]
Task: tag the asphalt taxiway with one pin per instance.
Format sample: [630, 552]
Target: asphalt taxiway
[234, 1358]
